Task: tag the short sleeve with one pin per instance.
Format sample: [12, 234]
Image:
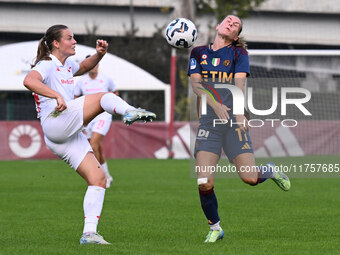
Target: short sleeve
[112, 85]
[194, 64]
[242, 61]
[44, 67]
[74, 66]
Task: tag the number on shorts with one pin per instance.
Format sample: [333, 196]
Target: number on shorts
[239, 132]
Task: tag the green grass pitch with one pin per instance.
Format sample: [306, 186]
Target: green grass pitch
[153, 208]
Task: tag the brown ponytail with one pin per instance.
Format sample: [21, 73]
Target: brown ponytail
[45, 43]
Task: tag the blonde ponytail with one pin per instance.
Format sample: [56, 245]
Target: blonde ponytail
[240, 42]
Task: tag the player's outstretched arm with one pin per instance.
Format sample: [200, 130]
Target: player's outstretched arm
[88, 63]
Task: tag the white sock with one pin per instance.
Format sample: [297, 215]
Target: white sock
[105, 169]
[216, 226]
[93, 204]
[114, 104]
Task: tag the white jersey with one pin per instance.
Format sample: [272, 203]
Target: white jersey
[85, 85]
[57, 77]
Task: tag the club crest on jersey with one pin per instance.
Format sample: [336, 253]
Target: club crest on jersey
[215, 61]
[204, 62]
[226, 62]
[192, 63]
[204, 56]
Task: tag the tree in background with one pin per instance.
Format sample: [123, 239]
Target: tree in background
[221, 8]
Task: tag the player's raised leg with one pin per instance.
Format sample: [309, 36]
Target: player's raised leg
[138, 114]
[278, 177]
[253, 175]
[205, 181]
[97, 103]
[92, 107]
[92, 172]
[245, 165]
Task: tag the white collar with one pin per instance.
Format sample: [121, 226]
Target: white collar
[56, 60]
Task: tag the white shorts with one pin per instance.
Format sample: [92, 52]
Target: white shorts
[100, 124]
[73, 151]
[63, 133]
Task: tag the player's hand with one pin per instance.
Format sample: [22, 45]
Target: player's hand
[101, 47]
[242, 122]
[61, 105]
[221, 111]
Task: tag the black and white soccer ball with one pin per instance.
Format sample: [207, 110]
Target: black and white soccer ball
[181, 33]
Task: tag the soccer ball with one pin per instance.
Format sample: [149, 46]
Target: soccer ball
[181, 33]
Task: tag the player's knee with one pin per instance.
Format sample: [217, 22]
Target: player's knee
[250, 181]
[98, 179]
[205, 184]
[101, 181]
